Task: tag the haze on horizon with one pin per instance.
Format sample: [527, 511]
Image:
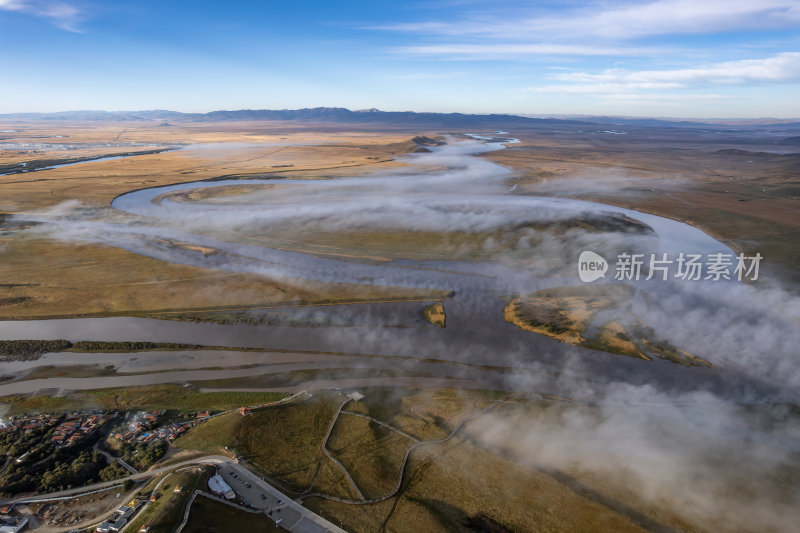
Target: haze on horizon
[677, 58]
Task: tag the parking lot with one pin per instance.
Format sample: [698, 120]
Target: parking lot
[259, 494]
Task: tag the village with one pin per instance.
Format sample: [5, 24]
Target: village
[36, 451]
[52, 442]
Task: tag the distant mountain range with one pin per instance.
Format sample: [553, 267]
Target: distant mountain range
[340, 115]
[317, 114]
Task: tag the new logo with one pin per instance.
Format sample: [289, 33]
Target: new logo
[591, 266]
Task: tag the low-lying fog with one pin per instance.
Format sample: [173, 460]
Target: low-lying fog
[721, 461]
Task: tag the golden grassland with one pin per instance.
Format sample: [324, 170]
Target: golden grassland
[493, 494]
[171, 397]
[435, 314]
[209, 516]
[215, 437]
[459, 485]
[283, 441]
[749, 200]
[331, 480]
[380, 246]
[426, 414]
[97, 183]
[299, 378]
[468, 483]
[371, 453]
[47, 278]
[597, 317]
[620, 489]
[565, 313]
[44, 278]
[298, 430]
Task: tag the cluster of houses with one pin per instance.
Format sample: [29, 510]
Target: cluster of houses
[27, 423]
[138, 428]
[77, 426]
[143, 427]
[73, 427]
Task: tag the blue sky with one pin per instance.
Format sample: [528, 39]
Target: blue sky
[680, 58]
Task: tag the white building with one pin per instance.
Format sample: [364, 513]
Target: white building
[218, 486]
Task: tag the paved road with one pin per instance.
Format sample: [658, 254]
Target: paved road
[261, 495]
[146, 505]
[126, 466]
[211, 459]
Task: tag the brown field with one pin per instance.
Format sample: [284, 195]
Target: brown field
[283, 441]
[97, 183]
[702, 183]
[748, 199]
[435, 314]
[568, 313]
[467, 484]
[456, 486]
[209, 516]
[46, 278]
[370, 452]
[744, 197]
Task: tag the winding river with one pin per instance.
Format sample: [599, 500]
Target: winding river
[447, 188]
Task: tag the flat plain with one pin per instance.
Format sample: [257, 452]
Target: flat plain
[459, 383]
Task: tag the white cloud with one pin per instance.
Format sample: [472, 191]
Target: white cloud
[620, 22]
[417, 76]
[779, 68]
[677, 16]
[599, 88]
[661, 100]
[63, 15]
[783, 67]
[473, 51]
[664, 97]
[627, 95]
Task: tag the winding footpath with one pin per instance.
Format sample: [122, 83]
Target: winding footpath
[403, 465]
[334, 459]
